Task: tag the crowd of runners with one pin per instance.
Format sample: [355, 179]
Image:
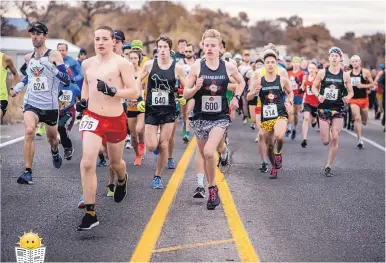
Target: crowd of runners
[123, 98]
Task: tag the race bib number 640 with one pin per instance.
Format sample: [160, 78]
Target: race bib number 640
[88, 124]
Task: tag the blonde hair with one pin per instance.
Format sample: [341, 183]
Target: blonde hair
[272, 47]
[213, 33]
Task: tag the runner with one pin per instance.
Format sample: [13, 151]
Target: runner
[310, 106]
[295, 76]
[180, 54]
[207, 84]
[361, 82]
[107, 79]
[160, 103]
[135, 118]
[6, 63]
[334, 84]
[271, 89]
[68, 95]
[186, 63]
[246, 71]
[41, 97]
[380, 91]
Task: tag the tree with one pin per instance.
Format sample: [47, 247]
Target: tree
[264, 32]
[6, 28]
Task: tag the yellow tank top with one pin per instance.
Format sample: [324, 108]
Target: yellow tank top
[3, 79]
[144, 81]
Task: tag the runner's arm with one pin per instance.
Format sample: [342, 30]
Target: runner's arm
[11, 66]
[190, 89]
[316, 84]
[367, 76]
[379, 74]
[232, 85]
[302, 87]
[347, 84]
[78, 71]
[255, 87]
[233, 72]
[288, 90]
[60, 70]
[84, 91]
[131, 88]
[180, 74]
[146, 69]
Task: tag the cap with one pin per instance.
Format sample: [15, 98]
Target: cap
[83, 51]
[259, 60]
[127, 45]
[335, 50]
[382, 66]
[137, 44]
[39, 27]
[237, 56]
[355, 57]
[118, 34]
[296, 59]
[288, 58]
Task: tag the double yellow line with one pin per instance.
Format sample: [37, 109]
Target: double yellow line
[146, 244]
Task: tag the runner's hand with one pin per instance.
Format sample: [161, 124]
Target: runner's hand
[81, 105]
[289, 107]
[105, 89]
[141, 106]
[199, 82]
[181, 101]
[234, 105]
[321, 98]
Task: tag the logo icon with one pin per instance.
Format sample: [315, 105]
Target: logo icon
[31, 249]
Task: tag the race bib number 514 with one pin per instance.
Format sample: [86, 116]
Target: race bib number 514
[88, 124]
[270, 111]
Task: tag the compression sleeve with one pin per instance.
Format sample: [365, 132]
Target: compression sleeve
[62, 74]
[19, 86]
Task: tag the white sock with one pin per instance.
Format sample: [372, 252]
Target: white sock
[289, 127]
[200, 179]
[223, 155]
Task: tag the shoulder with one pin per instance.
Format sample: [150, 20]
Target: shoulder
[28, 57]
[7, 59]
[87, 61]
[54, 53]
[366, 71]
[230, 66]
[149, 63]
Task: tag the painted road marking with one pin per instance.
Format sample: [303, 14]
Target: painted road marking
[210, 243]
[243, 244]
[146, 244]
[11, 141]
[367, 140]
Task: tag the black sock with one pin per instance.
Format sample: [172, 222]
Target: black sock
[156, 176]
[54, 152]
[90, 209]
[28, 170]
[111, 187]
[101, 157]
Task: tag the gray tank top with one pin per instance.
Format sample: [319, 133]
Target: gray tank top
[42, 87]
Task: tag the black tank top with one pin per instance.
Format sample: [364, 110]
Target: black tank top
[272, 99]
[332, 87]
[355, 80]
[161, 88]
[210, 101]
[246, 79]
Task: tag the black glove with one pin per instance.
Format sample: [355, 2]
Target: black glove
[81, 105]
[102, 87]
[60, 93]
[139, 99]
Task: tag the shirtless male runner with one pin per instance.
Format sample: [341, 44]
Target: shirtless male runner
[207, 84]
[361, 82]
[6, 63]
[107, 79]
[163, 73]
[335, 91]
[45, 71]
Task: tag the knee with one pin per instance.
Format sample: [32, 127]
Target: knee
[306, 119]
[164, 145]
[270, 147]
[208, 153]
[29, 132]
[357, 119]
[325, 141]
[139, 130]
[279, 137]
[87, 165]
[116, 164]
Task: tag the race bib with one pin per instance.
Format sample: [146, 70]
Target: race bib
[330, 94]
[355, 81]
[309, 90]
[294, 84]
[270, 111]
[211, 104]
[88, 123]
[38, 84]
[160, 98]
[66, 96]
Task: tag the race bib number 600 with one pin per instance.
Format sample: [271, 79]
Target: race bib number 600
[270, 111]
[88, 124]
[211, 104]
[160, 98]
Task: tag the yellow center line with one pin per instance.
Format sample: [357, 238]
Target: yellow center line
[243, 244]
[146, 244]
[209, 243]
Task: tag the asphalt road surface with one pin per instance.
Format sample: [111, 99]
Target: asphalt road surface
[301, 216]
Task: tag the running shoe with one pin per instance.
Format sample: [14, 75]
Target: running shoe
[157, 183]
[213, 199]
[25, 178]
[199, 192]
[88, 222]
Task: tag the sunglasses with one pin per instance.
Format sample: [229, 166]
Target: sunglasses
[188, 51]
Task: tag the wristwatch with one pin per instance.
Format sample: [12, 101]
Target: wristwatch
[237, 97]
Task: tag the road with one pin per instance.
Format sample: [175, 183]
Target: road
[301, 216]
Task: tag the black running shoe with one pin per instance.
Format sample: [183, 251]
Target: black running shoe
[68, 153]
[88, 222]
[304, 143]
[328, 172]
[199, 192]
[213, 199]
[293, 135]
[120, 191]
[264, 167]
[314, 124]
[225, 160]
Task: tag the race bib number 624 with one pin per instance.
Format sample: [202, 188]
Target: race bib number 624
[88, 124]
